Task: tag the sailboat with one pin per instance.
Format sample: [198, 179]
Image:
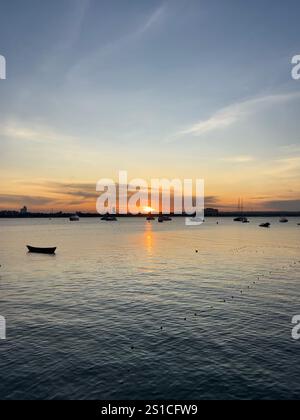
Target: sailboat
[241, 218]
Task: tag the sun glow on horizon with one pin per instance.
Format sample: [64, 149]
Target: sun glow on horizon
[148, 209]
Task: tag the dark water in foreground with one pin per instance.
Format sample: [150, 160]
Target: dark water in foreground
[86, 324]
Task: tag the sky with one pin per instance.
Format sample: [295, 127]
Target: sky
[174, 88]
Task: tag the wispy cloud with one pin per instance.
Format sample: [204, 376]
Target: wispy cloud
[285, 168]
[238, 159]
[290, 149]
[282, 205]
[232, 114]
[153, 19]
[118, 44]
[19, 200]
[46, 195]
[81, 190]
[77, 16]
[33, 132]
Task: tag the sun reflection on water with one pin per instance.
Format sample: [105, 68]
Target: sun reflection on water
[149, 238]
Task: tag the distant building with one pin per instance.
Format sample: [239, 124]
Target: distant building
[24, 211]
[211, 212]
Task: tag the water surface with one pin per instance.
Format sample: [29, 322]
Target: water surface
[129, 310]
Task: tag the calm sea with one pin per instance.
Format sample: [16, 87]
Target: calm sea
[130, 310]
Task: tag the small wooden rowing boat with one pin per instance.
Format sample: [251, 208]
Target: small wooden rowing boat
[35, 250]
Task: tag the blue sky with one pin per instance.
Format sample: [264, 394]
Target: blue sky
[160, 88]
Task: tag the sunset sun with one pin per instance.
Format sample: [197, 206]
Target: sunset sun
[148, 209]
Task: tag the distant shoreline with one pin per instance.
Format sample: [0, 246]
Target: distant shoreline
[61, 215]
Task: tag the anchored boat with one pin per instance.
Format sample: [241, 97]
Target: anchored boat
[109, 218]
[265, 225]
[246, 220]
[36, 250]
[162, 219]
[239, 219]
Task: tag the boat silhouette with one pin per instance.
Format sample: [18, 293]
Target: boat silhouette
[109, 218]
[36, 250]
[265, 225]
[163, 218]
